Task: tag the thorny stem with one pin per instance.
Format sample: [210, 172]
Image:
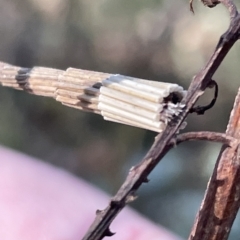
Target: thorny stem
[138, 174]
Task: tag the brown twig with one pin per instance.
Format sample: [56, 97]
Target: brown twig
[205, 136]
[139, 173]
[222, 198]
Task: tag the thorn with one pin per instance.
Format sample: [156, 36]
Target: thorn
[146, 180]
[191, 6]
[108, 233]
[98, 212]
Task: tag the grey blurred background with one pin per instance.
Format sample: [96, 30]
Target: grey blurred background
[153, 39]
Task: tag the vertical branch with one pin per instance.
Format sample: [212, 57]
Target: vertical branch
[222, 198]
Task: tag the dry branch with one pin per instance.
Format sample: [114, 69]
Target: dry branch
[160, 147]
[204, 136]
[222, 198]
[86, 97]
